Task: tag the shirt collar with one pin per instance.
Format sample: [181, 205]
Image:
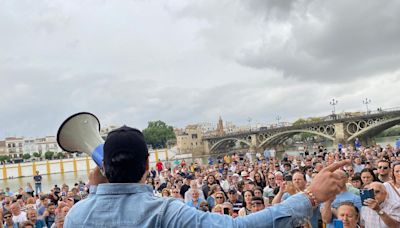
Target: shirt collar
[122, 188]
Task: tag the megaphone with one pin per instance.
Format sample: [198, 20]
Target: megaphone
[81, 133]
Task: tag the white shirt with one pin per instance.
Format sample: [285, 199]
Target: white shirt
[20, 218]
[370, 218]
[392, 193]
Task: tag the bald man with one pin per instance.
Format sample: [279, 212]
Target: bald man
[381, 211]
[328, 209]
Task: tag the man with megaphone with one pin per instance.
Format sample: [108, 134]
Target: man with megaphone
[122, 199]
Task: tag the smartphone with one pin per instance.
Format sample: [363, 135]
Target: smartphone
[337, 223]
[366, 194]
[226, 211]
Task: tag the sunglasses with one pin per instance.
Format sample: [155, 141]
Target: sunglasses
[219, 197]
[383, 167]
[6, 217]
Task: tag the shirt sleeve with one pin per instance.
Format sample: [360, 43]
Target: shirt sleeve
[293, 212]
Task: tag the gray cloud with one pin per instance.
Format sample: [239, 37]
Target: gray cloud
[188, 62]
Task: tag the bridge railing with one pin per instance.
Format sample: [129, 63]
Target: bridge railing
[334, 119]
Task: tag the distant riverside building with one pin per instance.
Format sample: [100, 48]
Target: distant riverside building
[2, 148]
[105, 130]
[190, 139]
[30, 146]
[14, 147]
[48, 143]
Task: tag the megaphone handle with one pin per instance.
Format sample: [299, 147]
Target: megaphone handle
[98, 155]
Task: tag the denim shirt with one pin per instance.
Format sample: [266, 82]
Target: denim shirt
[134, 205]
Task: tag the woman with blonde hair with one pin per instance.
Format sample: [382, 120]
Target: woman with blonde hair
[219, 209]
[165, 193]
[219, 197]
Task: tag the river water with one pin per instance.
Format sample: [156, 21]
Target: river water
[48, 181]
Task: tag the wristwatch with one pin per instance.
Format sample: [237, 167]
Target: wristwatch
[381, 212]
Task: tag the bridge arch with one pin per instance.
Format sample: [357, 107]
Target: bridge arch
[375, 128]
[228, 139]
[281, 136]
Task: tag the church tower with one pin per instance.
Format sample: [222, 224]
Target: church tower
[220, 127]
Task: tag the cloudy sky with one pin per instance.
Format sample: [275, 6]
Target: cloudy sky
[190, 61]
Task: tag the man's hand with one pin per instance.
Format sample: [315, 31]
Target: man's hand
[282, 187]
[96, 178]
[373, 204]
[326, 184]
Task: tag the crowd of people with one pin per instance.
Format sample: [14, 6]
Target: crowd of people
[32, 208]
[241, 185]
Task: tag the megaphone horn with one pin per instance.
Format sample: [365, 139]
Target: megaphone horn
[81, 133]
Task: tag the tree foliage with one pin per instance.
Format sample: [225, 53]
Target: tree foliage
[393, 131]
[59, 155]
[302, 121]
[49, 155]
[36, 155]
[158, 133]
[4, 158]
[26, 156]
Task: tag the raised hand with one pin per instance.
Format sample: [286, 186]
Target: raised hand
[96, 177]
[327, 184]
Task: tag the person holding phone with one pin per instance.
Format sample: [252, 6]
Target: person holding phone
[381, 211]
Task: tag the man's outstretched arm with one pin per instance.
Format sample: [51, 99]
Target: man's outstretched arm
[295, 211]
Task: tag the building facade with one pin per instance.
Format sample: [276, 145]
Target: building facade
[14, 147]
[189, 140]
[2, 148]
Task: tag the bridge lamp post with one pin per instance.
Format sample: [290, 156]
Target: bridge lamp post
[249, 120]
[366, 102]
[333, 103]
[277, 120]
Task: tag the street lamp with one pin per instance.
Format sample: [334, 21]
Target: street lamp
[249, 120]
[366, 102]
[277, 120]
[333, 103]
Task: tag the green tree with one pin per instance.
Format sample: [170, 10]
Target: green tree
[4, 158]
[36, 155]
[59, 155]
[49, 155]
[26, 156]
[158, 133]
[302, 121]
